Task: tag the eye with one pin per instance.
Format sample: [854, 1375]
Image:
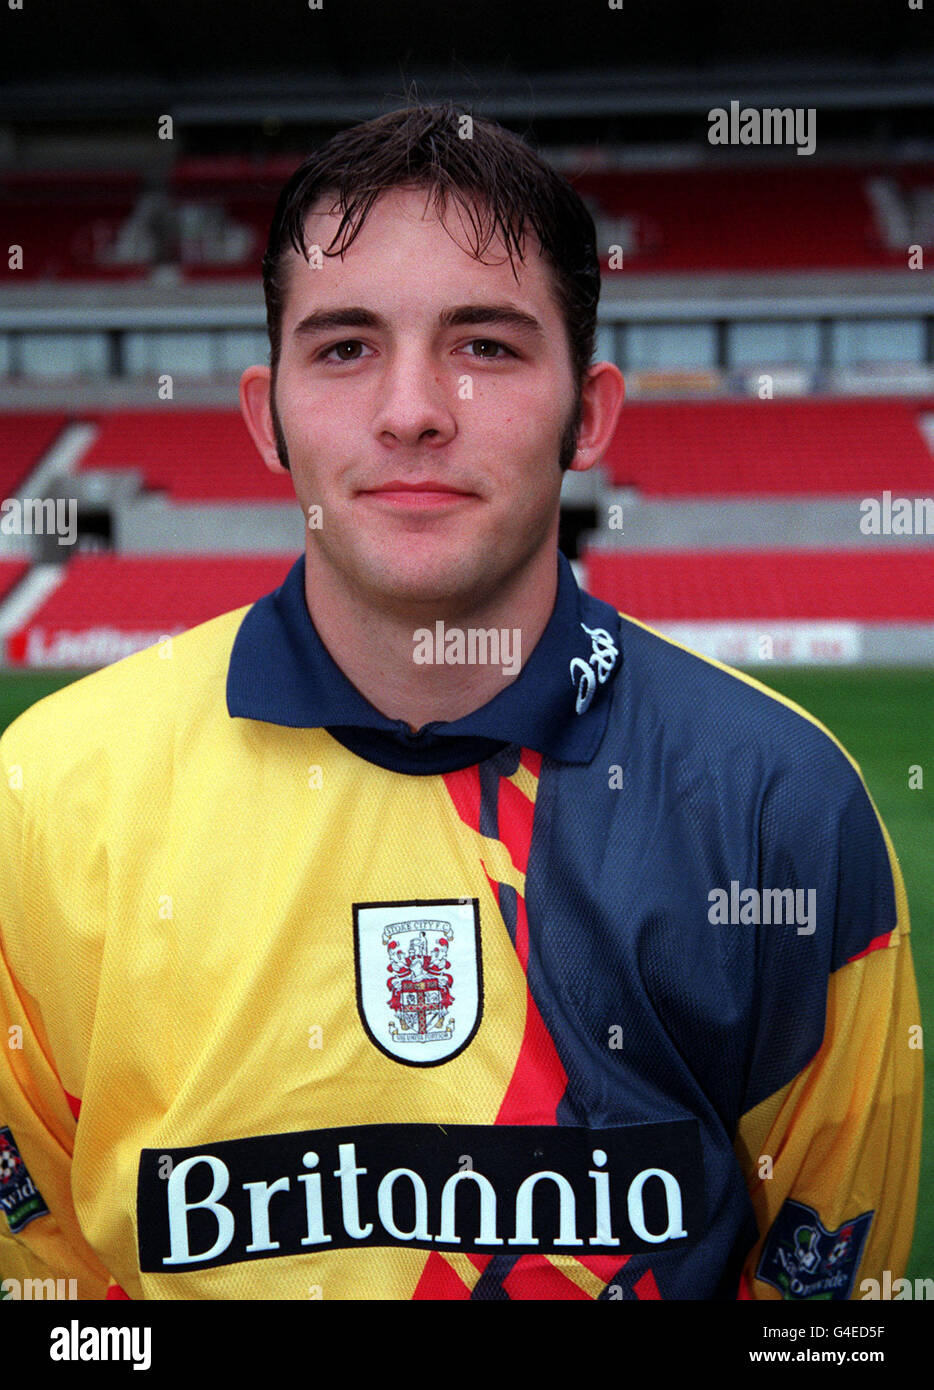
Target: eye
[500, 349]
[354, 356]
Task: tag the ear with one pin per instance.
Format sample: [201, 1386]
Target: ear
[255, 388]
[602, 397]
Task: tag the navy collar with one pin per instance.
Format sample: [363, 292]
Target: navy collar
[281, 672]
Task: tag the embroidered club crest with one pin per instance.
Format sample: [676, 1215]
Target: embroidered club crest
[419, 977]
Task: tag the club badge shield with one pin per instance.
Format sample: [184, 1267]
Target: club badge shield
[419, 977]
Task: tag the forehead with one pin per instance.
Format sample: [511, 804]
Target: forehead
[406, 250]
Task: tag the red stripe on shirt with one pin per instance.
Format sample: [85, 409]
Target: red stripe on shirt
[464, 790]
[878, 943]
[439, 1281]
[646, 1287]
[534, 1277]
[538, 1080]
[516, 814]
[532, 761]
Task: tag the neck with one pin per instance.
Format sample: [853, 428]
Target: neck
[432, 662]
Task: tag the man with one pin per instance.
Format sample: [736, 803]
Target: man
[670, 1024]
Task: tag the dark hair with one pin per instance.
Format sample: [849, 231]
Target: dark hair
[494, 177]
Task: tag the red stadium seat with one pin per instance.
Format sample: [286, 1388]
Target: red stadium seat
[11, 572]
[24, 438]
[771, 448]
[872, 586]
[193, 455]
[109, 605]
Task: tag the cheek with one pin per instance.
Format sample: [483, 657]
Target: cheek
[524, 429]
[315, 432]
[539, 413]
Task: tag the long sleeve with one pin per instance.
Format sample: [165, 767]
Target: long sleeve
[40, 1237]
[832, 1157]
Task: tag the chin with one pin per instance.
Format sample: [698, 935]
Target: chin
[438, 577]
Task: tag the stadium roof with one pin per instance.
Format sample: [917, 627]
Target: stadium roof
[239, 60]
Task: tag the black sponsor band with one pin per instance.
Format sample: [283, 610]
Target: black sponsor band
[486, 1189]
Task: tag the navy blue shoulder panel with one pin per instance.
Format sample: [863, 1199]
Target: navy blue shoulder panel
[667, 992]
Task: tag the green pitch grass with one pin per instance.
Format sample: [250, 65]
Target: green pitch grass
[20, 690]
[884, 719]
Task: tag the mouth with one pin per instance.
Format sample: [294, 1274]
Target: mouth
[417, 496]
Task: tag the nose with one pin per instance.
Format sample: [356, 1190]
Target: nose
[414, 401]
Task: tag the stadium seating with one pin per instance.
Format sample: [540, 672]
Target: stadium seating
[807, 218]
[11, 572]
[878, 586]
[771, 448]
[24, 438]
[794, 217]
[192, 455]
[65, 223]
[109, 605]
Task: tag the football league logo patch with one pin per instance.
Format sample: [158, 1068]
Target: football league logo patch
[20, 1199]
[805, 1260]
[419, 977]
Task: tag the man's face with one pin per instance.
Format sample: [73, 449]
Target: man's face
[425, 425]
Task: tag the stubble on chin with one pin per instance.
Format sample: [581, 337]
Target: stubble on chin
[388, 579]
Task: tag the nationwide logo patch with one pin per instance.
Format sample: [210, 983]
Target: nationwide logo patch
[419, 976]
[20, 1199]
[805, 1260]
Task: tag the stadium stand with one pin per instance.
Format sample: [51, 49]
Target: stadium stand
[816, 218]
[868, 587]
[211, 216]
[24, 438]
[107, 606]
[11, 572]
[771, 448]
[225, 204]
[68, 223]
[193, 455]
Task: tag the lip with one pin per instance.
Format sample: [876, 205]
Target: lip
[426, 485]
[420, 495]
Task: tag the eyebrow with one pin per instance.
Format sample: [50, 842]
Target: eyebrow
[462, 315]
